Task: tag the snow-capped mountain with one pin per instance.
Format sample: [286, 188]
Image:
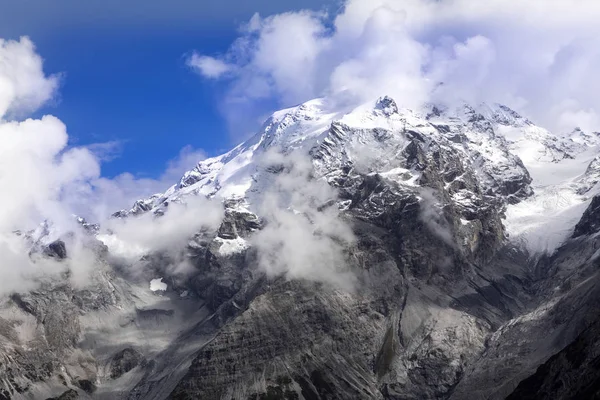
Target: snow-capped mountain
[467, 245]
[486, 152]
[380, 128]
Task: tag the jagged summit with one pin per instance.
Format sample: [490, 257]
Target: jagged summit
[308, 125]
[488, 149]
[387, 105]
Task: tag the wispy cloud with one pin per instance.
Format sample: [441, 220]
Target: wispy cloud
[304, 236]
[99, 197]
[209, 67]
[106, 151]
[131, 238]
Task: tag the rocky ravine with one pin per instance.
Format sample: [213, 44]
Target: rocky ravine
[449, 301]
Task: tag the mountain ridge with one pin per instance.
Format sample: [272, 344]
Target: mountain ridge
[305, 126]
[374, 253]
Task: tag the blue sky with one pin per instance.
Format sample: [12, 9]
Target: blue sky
[124, 76]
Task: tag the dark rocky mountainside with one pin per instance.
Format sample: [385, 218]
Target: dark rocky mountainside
[573, 373]
[437, 291]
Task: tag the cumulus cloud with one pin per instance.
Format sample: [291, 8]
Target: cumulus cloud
[23, 85]
[304, 236]
[36, 168]
[537, 56]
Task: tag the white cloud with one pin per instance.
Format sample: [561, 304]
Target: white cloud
[304, 236]
[106, 151]
[530, 55]
[37, 168]
[23, 85]
[573, 116]
[168, 233]
[209, 67]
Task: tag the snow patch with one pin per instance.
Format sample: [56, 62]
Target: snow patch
[158, 285]
[232, 246]
[402, 176]
[546, 220]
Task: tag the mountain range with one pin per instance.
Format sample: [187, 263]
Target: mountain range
[377, 252]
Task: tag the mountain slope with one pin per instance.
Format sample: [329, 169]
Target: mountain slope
[375, 253]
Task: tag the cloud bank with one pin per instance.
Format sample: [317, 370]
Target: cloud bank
[36, 166]
[538, 56]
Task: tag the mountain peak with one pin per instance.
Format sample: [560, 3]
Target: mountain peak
[387, 105]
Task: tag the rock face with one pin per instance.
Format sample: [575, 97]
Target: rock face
[56, 249]
[449, 297]
[124, 361]
[573, 373]
[590, 221]
[68, 395]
